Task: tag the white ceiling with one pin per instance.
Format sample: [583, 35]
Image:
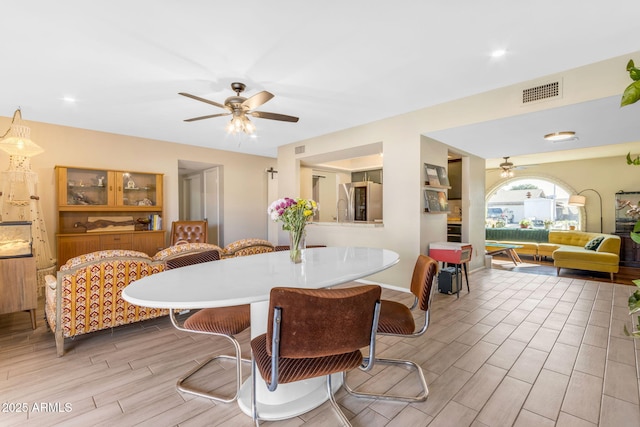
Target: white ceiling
[335, 64]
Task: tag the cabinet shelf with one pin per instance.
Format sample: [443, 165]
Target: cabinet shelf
[107, 209]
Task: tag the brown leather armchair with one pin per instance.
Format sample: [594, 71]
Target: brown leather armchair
[189, 232]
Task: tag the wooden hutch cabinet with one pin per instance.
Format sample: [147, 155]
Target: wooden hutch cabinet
[104, 209]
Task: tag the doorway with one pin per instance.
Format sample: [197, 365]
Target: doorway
[200, 196]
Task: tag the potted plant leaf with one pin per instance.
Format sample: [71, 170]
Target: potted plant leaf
[525, 223]
[634, 299]
[632, 93]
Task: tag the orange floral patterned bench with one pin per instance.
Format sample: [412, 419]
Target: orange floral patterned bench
[86, 296]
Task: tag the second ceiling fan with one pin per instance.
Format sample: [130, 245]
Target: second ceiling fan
[240, 107]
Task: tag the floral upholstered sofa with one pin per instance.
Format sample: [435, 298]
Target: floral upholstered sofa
[86, 294]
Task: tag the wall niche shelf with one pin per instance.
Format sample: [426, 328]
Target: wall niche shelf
[434, 191]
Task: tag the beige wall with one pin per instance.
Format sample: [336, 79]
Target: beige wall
[244, 184]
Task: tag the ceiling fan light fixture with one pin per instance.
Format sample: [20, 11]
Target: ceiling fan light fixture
[560, 136]
[506, 173]
[507, 168]
[240, 124]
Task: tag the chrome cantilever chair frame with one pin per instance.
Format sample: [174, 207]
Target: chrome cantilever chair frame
[427, 286]
[237, 359]
[367, 364]
[191, 259]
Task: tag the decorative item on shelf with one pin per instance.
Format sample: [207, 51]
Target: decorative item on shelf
[432, 177]
[294, 214]
[144, 223]
[431, 201]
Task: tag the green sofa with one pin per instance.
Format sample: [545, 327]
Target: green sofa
[528, 238]
[567, 248]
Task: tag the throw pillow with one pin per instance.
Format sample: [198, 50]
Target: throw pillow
[593, 244]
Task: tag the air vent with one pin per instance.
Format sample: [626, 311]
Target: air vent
[300, 149]
[542, 92]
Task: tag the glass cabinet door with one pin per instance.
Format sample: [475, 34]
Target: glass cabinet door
[86, 187]
[138, 189]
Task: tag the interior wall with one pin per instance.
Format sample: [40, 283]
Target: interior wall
[401, 195]
[244, 184]
[328, 189]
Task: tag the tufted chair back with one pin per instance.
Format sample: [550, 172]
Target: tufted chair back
[189, 232]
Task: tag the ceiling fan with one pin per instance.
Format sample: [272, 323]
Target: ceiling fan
[507, 168]
[240, 107]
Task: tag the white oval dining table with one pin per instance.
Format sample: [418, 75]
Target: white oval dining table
[248, 280]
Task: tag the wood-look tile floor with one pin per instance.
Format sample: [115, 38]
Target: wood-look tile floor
[519, 350]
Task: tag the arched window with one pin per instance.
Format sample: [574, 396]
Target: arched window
[536, 202]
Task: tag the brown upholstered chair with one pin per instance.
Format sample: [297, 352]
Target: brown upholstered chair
[396, 319]
[224, 322]
[189, 232]
[302, 340]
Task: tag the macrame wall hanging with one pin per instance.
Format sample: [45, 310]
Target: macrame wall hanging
[19, 200]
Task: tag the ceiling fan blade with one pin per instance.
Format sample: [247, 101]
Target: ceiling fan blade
[197, 98]
[273, 116]
[257, 100]
[206, 117]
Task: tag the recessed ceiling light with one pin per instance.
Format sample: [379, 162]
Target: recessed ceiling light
[498, 53]
[560, 136]
[69, 99]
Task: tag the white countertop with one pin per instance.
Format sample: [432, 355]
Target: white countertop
[365, 224]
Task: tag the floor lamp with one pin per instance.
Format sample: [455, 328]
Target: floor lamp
[578, 200]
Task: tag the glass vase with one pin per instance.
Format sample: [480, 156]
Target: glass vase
[297, 244]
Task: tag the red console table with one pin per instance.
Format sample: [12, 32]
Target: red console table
[455, 253]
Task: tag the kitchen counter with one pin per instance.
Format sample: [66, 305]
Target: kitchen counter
[364, 224]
